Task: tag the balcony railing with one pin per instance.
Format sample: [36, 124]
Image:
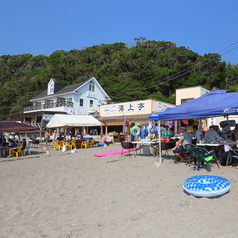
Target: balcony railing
[50, 105]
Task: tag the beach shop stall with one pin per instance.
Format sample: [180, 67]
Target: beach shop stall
[66, 121]
[212, 104]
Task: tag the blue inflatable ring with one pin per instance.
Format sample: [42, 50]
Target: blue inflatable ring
[206, 186]
[135, 130]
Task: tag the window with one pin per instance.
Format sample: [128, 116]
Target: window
[91, 103]
[48, 102]
[52, 88]
[186, 100]
[81, 102]
[91, 87]
[37, 104]
[69, 99]
[61, 100]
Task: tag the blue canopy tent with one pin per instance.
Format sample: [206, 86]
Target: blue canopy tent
[212, 104]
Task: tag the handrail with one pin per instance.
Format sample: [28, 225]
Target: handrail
[49, 105]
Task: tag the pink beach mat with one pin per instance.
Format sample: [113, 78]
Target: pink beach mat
[116, 152]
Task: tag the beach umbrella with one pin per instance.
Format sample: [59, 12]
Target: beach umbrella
[13, 126]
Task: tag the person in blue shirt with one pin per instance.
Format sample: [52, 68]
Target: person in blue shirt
[60, 138]
[12, 146]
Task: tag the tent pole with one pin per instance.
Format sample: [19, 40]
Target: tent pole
[159, 143]
[176, 127]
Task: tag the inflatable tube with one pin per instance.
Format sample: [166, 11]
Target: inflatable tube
[135, 130]
[206, 186]
[116, 152]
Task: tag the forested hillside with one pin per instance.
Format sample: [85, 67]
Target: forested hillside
[148, 69]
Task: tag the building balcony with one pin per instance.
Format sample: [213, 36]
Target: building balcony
[57, 106]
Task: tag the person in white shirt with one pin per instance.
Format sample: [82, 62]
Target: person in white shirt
[198, 133]
[211, 134]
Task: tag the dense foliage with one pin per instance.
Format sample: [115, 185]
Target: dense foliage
[148, 69]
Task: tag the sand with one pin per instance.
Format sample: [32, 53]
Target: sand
[79, 195]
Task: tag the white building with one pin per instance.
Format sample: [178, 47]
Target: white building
[82, 98]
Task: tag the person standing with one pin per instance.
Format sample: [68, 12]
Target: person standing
[46, 139]
[54, 137]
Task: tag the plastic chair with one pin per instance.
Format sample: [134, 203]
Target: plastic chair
[91, 143]
[85, 144]
[189, 148]
[57, 145]
[27, 149]
[17, 151]
[201, 154]
[235, 156]
[71, 145]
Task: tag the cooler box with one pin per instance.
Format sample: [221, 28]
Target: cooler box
[146, 150]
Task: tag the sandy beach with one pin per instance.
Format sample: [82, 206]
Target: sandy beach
[79, 195]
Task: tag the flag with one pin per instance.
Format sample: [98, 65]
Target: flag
[185, 122]
[169, 124]
[126, 123]
[97, 113]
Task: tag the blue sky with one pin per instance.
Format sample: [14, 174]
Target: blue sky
[42, 27]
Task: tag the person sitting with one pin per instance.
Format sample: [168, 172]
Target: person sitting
[60, 138]
[12, 146]
[152, 135]
[211, 135]
[234, 133]
[4, 142]
[23, 144]
[166, 134]
[225, 129]
[198, 133]
[179, 147]
[217, 129]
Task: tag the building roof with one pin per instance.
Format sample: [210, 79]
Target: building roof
[63, 89]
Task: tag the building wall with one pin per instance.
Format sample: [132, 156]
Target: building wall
[189, 93]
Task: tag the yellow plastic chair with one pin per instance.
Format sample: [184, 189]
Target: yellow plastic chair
[91, 143]
[85, 144]
[17, 151]
[57, 145]
[71, 145]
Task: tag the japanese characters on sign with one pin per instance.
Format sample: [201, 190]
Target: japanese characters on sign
[130, 107]
[141, 106]
[121, 108]
[161, 106]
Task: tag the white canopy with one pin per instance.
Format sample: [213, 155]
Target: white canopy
[61, 120]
